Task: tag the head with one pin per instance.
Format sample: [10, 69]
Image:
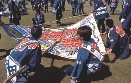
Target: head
[37, 11]
[84, 33]
[109, 23]
[36, 32]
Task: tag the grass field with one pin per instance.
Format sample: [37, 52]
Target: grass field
[111, 72]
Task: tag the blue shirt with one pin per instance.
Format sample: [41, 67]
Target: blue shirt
[84, 57]
[100, 9]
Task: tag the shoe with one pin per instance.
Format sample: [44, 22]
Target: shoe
[121, 58]
[79, 15]
[58, 23]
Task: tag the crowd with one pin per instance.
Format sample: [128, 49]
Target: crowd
[89, 59]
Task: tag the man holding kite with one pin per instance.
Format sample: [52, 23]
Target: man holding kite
[27, 52]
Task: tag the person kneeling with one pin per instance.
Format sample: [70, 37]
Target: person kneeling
[117, 40]
[39, 18]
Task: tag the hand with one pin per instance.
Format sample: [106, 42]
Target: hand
[109, 51]
[92, 11]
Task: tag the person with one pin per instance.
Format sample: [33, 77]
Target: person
[125, 17]
[20, 7]
[23, 11]
[90, 2]
[108, 2]
[1, 8]
[87, 62]
[14, 16]
[27, 52]
[78, 7]
[46, 6]
[38, 18]
[82, 8]
[34, 5]
[63, 5]
[113, 6]
[23, 3]
[73, 4]
[58, 8]
[123, 3]
[39, 3]
[117, 41]
[101, 13]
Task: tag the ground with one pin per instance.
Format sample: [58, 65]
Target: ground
[111, 72]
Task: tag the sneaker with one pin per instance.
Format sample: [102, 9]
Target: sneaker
[121, 58]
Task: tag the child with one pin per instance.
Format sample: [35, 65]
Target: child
[113, 6]
[101, 13]
[39, 18]
[27, 52]
[58, 9]
[118, 41]
[87, 63]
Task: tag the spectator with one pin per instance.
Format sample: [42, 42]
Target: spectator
[101, 13]
[73, 4]
[46, 5]
[14, 16]
[125, 17]
[58, 9]
[113, 6]
[39, 18]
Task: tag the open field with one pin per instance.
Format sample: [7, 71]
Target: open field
[111, 72]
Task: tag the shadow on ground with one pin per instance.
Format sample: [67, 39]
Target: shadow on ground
[7, 52]
[48, 75]
[53, 57]
[103, 73]
[47, 26]
[56, 75]
[66, 24]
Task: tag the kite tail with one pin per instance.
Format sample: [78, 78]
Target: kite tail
[7, 28]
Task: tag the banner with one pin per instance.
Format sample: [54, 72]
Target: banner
[69, 45]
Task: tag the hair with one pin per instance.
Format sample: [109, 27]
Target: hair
[37, 10]
[85, 32]
[36, 32]
[109, 23]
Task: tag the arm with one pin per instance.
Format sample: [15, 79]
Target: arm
[126, 10]
[56, 5]
[35, 18]
[113, 40]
